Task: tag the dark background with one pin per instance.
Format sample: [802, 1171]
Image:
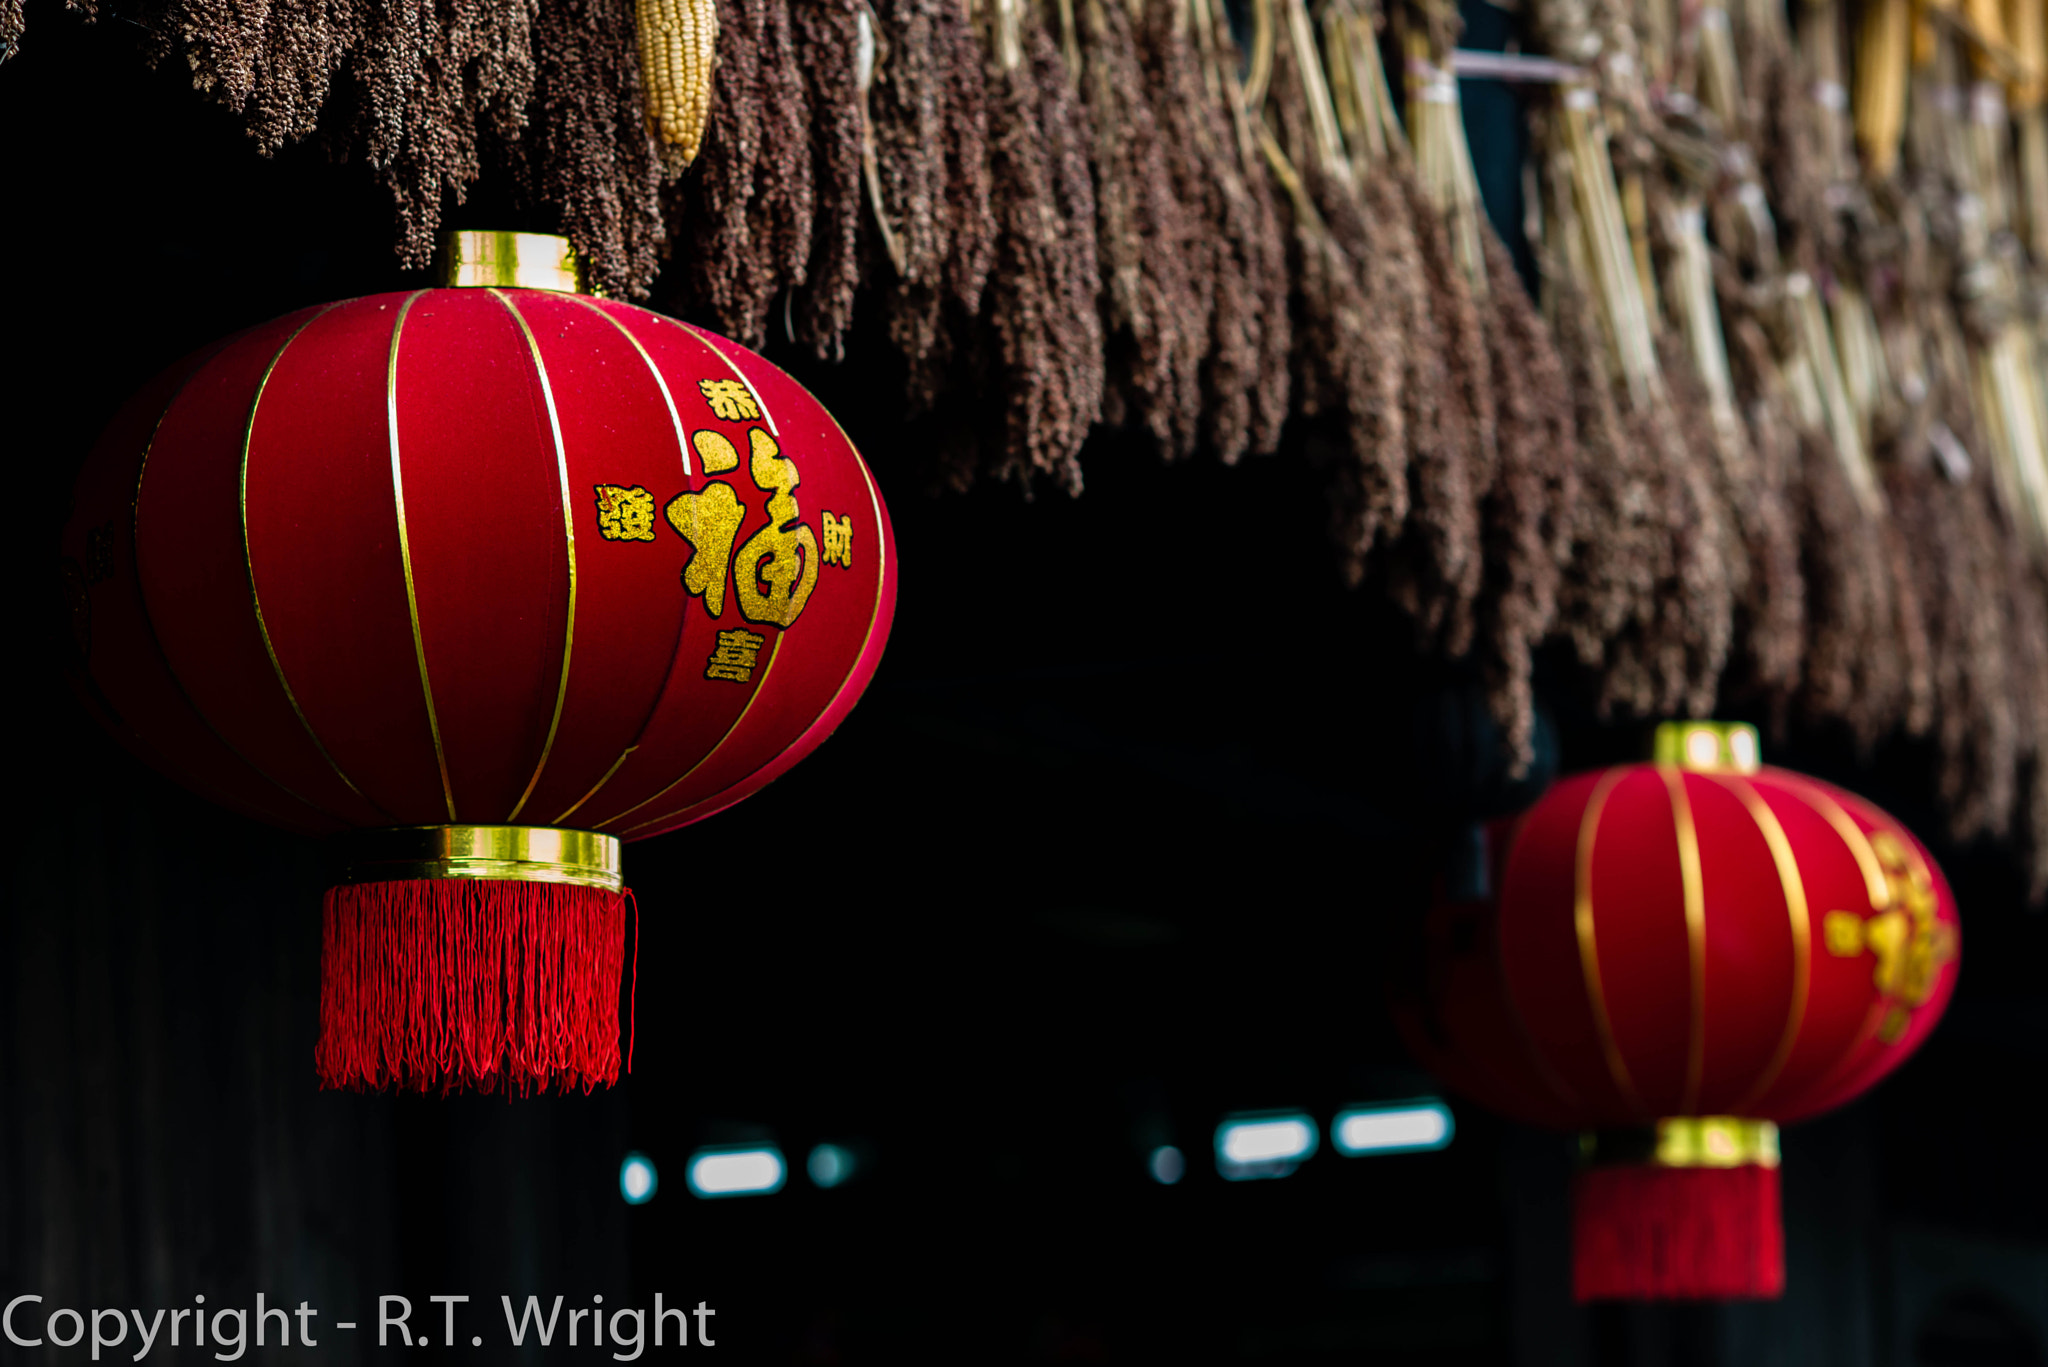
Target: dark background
[1123, 839]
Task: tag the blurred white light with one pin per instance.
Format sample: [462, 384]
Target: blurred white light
[1703, 748]
[736, 1172]
[637, 1179]
[1411, 1127]
[1264, 1146]
[1742, 748]
[829, 1165]
[1167, 1164]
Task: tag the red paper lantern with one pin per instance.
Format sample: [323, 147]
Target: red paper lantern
[484, 580]
[1678, 956]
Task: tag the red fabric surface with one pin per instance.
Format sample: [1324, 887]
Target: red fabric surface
[323, 549]
[329, 724]
[118, 667]
[1773, 1042]
[1540, 961]
[1651, 1233]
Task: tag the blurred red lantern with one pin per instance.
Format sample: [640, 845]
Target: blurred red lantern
[1678, 956]
[483, 581]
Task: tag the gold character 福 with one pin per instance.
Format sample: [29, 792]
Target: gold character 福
[708, 520]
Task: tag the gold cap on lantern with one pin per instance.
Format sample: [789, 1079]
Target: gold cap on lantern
[529, 854]
[526, 261]
[1728, 746]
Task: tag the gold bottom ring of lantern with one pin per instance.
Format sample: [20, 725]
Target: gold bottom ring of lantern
[1686, 1141]
[530, 854]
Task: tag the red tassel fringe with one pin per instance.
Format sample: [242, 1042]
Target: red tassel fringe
[441, 985]
[1658, 1233]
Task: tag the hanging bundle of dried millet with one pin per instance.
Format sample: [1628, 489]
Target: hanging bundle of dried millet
[275, 64]
[1695, 621]
[827, 51]
[1155, 308]
[1044, 352]
[1620, 547]
[1257, 230]
[1960, 573]
[2026, 600]
[1349, 344]
[743, 227]
[1854, 672]
[1436, 567]
[14, 19]
[586, 152]
[928, 188]
[907, 179]
[1236, 254]
[1527, 511]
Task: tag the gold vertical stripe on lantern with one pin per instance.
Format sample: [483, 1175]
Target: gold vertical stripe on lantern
[155, 639]
[248, 558]
[1794, 885]
[1859, 844]
[547, 394]
[683, 454]
[249, 563]
[1589, 949]
[1692, 882]
[412, 603]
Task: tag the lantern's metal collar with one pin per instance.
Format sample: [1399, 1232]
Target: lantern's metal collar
[1727, 746]
[1686, 1141]
[527, 261]
[531, 854]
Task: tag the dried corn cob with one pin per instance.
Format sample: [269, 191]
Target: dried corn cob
[1883, 51]
[678, 47]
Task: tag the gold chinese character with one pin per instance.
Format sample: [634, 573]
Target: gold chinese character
[784, 554]
[1906, 937]
[1894, 1028]
[734, 657]
[624, 513]
[1843, 933]
[838, 540]
[730, 400]
[717, 453]
[709, 521]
